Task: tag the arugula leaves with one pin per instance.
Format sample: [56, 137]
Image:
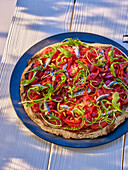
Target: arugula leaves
[50, 124]
[111, 54]
[73, 42]
[115, 103]
[26, 82]
[112, 69]
[65, 52]
[47, 55]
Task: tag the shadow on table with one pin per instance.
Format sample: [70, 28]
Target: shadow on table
[47, 16]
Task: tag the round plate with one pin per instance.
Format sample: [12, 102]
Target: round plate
[15, 92]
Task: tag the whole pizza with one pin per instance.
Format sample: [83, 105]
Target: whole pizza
[76, 90]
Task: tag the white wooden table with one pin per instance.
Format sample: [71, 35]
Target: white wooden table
[34, 20]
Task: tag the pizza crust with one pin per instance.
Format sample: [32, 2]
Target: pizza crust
[81, 134]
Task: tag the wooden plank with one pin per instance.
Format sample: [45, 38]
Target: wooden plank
[32, 21]
[5, 21]
[102, 157]
[103, 18]
[125, 164]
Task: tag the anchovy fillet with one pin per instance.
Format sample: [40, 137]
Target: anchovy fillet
[77, 51]
[64, 68]
[108, 113]
[80, 93]
[102, 97]
[36, 85]
[53, 75]
[47, 62]
[112, 83]
[46, 107]
[66, 107]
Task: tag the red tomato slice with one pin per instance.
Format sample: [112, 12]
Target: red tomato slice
[35, 107]
[47, 50]
[36, 64]
[73, 70]
[39, 74]
[72, 122]
[95, 126]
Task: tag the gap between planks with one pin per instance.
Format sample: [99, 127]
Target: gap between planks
[50, 154]
[122, 163]
[72, 15]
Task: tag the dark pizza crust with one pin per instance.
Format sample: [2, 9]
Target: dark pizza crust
[80, 134]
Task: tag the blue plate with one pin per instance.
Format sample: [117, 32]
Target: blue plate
[15, 92]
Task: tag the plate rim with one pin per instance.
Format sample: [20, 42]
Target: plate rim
[74, 143]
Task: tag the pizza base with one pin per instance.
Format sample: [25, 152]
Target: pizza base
[80, 134]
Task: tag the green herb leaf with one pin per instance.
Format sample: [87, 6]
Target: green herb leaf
[65, 52]
[118, 79]
[50, 124]
[122, 57]
[36, 69]
[29, 105]
[86, 54]
[111, 54]
[47, 55]
[115, 103]
[73, 42]
[112, 69]
[63, 79]
[100, 126]
[73, 128]
[26, 82]
[96, 87]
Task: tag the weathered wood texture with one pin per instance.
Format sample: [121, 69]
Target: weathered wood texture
[107, 18]
[32, 21]
[102, 157]
[125, 165]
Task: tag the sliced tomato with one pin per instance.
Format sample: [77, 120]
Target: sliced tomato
[116, 52]
[73, 122]
[35, 107]
[47, 50]
[36, 64]
[55, 121]
[83, 50]
[70, 49]
[30, 75]
[39, 74]
[96, 126]
[124, 98]
[94, 112]
[92, 68]
[73, 70]
[93, 75]
[99, 92]
[47, 80]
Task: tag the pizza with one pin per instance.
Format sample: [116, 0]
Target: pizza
[76, 90]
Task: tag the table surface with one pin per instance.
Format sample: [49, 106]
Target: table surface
[28, 22]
